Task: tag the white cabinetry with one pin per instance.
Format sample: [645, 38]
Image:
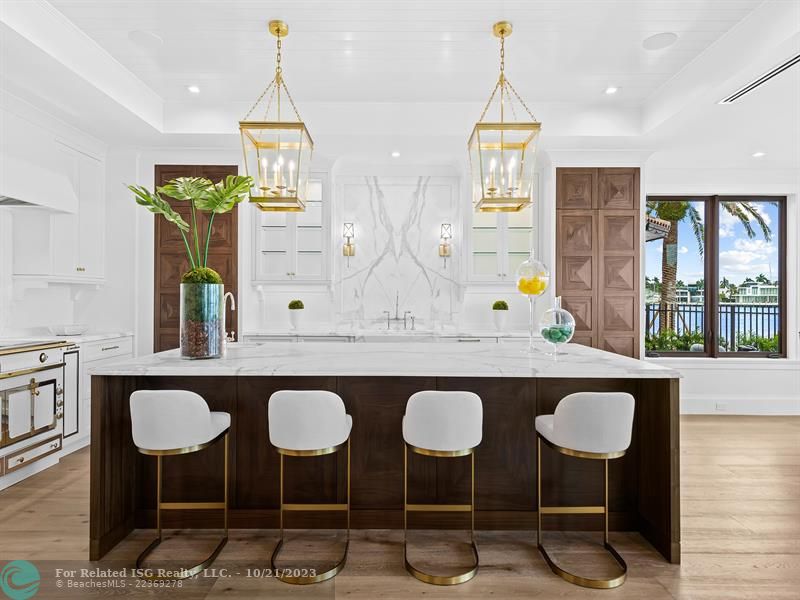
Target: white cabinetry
[78, 384]
[294, 246]
[63, 246]
[499, 242]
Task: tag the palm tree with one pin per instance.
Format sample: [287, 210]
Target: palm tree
[675, 212]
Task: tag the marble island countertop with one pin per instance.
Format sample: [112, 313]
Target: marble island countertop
[401, 359]
[379, 332]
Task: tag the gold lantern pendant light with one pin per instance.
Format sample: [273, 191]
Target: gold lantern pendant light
[502, 152]
[277, 153]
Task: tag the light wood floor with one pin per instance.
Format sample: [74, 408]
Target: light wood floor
[740, 481]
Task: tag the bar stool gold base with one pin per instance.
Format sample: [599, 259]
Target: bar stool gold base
[470, 508]
[442, 579]
[183, 572]
[285, 573]
[599, 584]
[288, 574]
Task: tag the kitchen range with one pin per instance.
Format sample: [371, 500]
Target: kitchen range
[32, 399]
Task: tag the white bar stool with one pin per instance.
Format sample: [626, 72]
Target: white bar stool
[444, 425]
[309, 423]
[171, 422]
[589, 425]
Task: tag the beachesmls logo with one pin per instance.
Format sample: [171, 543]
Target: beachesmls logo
[19, 580]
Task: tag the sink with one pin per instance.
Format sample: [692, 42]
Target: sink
[396, 336]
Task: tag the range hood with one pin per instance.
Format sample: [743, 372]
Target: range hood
[24, 184]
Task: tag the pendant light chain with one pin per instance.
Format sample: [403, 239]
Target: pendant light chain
[502, 54]
[276, 84]
[260, 98]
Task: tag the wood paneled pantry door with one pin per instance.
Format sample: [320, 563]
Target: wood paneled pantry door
[597, 255]
[170, 255]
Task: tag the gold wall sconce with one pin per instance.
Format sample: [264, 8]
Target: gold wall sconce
[349, 248]
[445, 248]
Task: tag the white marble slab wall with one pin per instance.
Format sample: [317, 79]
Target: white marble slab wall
[397, 225]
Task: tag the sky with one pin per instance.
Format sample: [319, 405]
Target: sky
[739, 256]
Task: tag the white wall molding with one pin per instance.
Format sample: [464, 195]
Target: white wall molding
[737, 405]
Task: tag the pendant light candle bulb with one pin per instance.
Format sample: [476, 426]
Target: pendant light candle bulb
[263, 173]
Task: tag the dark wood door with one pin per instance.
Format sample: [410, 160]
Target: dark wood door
[170, 254]
[597, 255]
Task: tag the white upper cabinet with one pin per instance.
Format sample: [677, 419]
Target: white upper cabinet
[64, 246]
[91, 218]
[498, 243]
[294, 246]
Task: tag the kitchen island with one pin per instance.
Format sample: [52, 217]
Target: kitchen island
[375, 382]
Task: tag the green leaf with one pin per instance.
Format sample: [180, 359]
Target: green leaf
[157, 205]
[187, 188]
[226, 194]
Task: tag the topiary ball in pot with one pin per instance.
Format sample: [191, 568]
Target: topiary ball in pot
[295, 311]
[500, 314]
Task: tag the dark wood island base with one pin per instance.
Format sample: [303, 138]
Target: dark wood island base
[644, 486]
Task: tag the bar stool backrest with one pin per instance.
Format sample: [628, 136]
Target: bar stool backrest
[443, 421]
[594, 421]
[169, 419]
[307, 420]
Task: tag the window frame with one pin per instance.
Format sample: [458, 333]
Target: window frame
[711, 205]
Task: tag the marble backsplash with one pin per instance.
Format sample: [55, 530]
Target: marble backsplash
[397, 266]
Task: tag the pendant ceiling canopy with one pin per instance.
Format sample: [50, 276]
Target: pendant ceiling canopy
[277, 151]
[502, 150]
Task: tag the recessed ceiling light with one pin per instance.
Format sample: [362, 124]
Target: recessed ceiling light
[193, 89]
[759, 154]
[611, 90]
[395, 154]
[660, 41]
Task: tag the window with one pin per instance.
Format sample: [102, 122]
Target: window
[715, 273]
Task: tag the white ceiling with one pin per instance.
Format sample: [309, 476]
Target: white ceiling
[375, 76]
[406, 51]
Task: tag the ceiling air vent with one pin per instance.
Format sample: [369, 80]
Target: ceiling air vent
[759, 81]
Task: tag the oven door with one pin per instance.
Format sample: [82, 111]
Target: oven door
[30, 404]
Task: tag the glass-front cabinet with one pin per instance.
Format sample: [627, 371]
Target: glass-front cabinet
[293, 246]
[499, 242]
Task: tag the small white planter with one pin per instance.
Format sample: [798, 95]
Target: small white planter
[500, 317]
[295, 316]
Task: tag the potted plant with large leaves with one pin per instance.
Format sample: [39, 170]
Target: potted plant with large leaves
[202, 292]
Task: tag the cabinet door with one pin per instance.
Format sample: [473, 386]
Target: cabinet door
[293, 246]
[518, 238]
[91, 217]
[309, 238]
[64, 227]
[486, 260]
[273, 239]
[71, 395]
